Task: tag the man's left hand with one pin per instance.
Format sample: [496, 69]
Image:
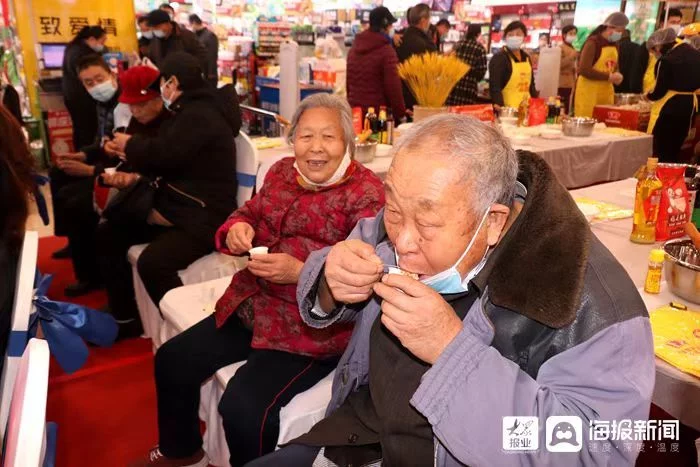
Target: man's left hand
[279, 268]
[75, 168]
[417, 315]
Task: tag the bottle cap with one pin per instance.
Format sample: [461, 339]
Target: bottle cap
[652, 162]
[657, 256]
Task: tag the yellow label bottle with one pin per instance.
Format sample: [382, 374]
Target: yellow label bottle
[652, 284]
[646, 205]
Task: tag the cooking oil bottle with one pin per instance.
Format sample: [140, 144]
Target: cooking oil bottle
[646, 205]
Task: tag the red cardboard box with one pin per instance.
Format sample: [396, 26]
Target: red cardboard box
[60, 131]
[483, 112]
[621, 118]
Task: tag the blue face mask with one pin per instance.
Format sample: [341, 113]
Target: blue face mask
[390, 33]
[450, 280]
[166, 102]
[615, 36]
[514, 42]
[103, 92]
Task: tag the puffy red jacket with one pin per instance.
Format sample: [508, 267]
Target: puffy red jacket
[372, 74]
[290, 219]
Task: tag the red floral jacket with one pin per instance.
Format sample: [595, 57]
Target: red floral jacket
[288, 218]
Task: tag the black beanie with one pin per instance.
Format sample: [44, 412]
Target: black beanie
[186, 68]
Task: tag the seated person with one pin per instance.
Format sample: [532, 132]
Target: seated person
[73, 177]
[514, 310]
[195, 156]
[140, 91]
[307, 202]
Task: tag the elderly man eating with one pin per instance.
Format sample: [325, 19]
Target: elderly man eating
[508, 305]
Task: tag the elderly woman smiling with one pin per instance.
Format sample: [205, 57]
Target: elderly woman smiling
[308, 202]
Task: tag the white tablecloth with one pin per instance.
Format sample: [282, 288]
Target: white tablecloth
[675, 392]
[577, 162]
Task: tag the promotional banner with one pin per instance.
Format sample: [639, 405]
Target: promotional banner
[59, 22]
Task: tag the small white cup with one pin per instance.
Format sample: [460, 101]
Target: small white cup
[111, 170]
[258, 250]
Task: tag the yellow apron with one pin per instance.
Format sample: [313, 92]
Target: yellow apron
[518, 86]
[589, 92]
[657, 106]
[650, 75]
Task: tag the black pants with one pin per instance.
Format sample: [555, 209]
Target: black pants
[83, 114]
[65, 188]
[293, 455]
[670, 132]
[252, 400]
[170, 250]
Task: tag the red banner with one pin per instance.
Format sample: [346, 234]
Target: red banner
[60, 129]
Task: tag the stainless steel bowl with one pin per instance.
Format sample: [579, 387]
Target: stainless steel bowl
[627, 98]
[577, 126]
[682, 266]
[365, 152]
[508, 112]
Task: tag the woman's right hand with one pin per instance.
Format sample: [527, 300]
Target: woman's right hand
[616, 78]
[112, 150]
[240, 238]
[120, 180]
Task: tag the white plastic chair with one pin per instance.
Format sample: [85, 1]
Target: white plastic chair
[25, 444]
[185, 306]
[209, 267]
[22, 308]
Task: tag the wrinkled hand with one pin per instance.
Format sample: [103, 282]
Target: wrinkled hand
[76, 156]
[75, 167]
[120, 180]
[616, 78]
[352, 268]
[120, 140]
[417, 315]
[239, 238]
[112, 149]
[279, 268]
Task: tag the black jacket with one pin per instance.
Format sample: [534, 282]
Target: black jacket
[630, 65]
[73, 90]
[677, 70]
[211, 44]
[181, 40]
[500, 70]
[195, 155]
[414, 42]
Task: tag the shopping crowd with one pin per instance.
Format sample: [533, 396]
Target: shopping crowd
[509, 305]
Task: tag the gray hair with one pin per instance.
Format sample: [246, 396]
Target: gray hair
[327, 101]
[483, 156]
[417, 13]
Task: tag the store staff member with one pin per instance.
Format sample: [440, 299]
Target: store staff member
[598, 66]
[675, 96]
[675, 17]
[510, 70]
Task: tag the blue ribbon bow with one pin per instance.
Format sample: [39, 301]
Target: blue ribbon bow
[67, 325]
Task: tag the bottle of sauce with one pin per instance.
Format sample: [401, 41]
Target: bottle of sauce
[652, 284]
[381, 125]
[646, 205]
[389, 127]
[522, 111]
[370, 120]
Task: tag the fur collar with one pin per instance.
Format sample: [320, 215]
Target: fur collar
[538, 267]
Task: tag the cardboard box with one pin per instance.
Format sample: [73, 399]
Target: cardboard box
[621, 118]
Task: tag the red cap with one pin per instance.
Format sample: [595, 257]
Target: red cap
[136, 85]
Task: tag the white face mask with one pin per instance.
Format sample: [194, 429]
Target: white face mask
[167, 102]
[337, 175]
[450, 280]
[103, 92]
[158, 33]
[98, 47]
[147, 34]
[570, 39]
[675, 27]
[514, 42]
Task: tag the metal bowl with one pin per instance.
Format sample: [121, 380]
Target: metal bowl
[682, 266]
[508, 112]
[627, 98]
[577, 126]
[365, 152]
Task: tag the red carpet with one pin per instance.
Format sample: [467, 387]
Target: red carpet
[106, 411]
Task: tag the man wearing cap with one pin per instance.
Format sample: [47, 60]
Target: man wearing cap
[675, 95]
[372, 72]
[195, 156]
[169, 37]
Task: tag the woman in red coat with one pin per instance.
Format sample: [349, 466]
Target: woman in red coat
[308, 202]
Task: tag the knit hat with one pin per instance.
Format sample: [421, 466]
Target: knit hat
[137, 85]
[157, 17]
[186, 68]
